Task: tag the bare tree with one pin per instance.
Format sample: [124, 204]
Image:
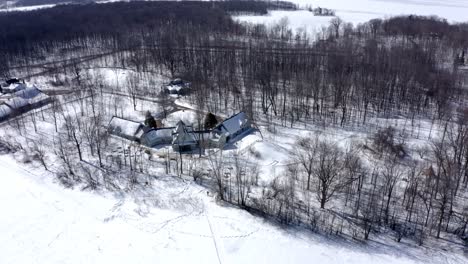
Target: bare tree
[327, 170]
[217, 165]
[305, 155]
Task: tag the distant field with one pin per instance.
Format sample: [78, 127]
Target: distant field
[360, 11]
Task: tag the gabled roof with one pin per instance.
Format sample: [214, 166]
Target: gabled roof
[233, 124]
[183, 134]
[160, 133]
[124, 127]
[14, 87]
[5, 111]
[39, 98]
[28, 92]
[16, 103]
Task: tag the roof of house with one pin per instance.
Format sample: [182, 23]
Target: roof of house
[17, 102]
[177, 85]
[234, 123]
[122, 126]
[161, 133]
[15, 87]
[183, 134]
[5, 110]
[41, 97]
[28, 93]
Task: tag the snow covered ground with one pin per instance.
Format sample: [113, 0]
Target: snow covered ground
[360, 11]
[174, 221]
[452, 10]
[25, 8]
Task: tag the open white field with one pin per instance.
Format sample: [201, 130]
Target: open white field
[359, 11]
[174, 221]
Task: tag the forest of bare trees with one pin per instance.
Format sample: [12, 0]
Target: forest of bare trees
[345, 76]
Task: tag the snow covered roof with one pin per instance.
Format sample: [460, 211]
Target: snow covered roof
[234, 123]
[5, 111]
[28, 92]
[159, 133]
[17, 103]
[176, 88]
[177, 85]
[39, 98]
[183, 134]
[163, 132]
[14, 87]
[124, 127]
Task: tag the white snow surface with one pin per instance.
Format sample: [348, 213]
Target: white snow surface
[360, 11]
[355, 11]
[189, 117]
[26, 8]
[174, 222]
[452, 10]
[125, 127]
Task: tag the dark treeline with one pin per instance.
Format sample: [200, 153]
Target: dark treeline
[27, 33]
[402, 66]
[24, 31]
[420, 26]
[248, 6]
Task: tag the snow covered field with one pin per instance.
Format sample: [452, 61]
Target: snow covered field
[360, 11]
[174, 221]
[452, 10]
[25, 8]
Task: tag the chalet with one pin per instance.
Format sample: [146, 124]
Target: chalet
[177, 87]
[184, 138]
[125, 128]
[233, 126]
[159, 136]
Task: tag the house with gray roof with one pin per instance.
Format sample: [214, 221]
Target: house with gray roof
[125, 128]
[158, 136]
[184, 138]
[18, 104]
[13, 87]
[35, 97]
[233, 126]
[5, 112]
